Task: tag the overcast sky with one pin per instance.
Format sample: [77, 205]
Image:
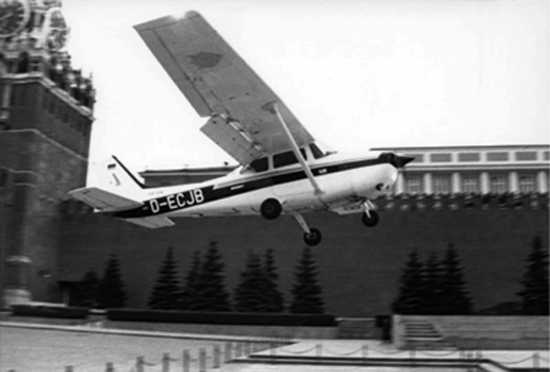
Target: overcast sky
[357, 74]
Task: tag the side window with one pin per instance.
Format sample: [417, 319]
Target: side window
[284, 158]
[260, 165]
[287, 158]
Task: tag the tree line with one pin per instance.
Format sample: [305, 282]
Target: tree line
[203, 287]
[438, 286]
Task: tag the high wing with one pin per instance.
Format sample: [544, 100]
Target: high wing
[220, 85]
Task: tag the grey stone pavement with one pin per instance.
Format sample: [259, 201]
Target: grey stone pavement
[28, 346]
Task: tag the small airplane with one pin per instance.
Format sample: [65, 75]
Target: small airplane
[283, 170]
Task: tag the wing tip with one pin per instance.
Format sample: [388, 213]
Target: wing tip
[166, 20]
[192, 13]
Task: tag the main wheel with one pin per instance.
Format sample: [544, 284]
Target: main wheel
[313, 238]
[372, 220]
[271, 209]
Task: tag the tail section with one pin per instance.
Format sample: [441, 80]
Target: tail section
[113, 176]
[115, 188]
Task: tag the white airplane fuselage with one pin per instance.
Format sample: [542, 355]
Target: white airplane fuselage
[343, 178]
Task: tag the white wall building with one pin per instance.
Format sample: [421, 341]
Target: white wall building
[474, 169]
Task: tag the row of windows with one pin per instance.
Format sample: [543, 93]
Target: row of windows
[476, 156]
[471, 183]
[285, 158]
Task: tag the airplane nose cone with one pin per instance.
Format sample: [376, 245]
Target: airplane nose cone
[398, 161]
[401, 161]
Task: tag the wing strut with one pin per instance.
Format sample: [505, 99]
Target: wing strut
[296, 150]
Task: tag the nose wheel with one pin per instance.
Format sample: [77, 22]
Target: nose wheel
[312, 236]
[370, 218]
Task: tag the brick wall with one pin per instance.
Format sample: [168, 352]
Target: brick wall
[359, 267]
[43, 156]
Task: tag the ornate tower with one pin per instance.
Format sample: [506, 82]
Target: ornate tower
[46, 114]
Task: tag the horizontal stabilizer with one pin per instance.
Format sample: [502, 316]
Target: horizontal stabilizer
[152, 222]
[102, 200]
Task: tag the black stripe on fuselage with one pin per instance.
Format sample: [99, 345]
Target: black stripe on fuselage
[202, 195]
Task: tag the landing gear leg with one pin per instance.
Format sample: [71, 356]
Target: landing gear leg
[370, 218]
[312, 236]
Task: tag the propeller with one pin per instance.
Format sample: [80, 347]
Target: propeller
[400, 161]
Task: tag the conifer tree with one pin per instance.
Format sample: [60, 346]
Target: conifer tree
[250, 294]
[213, 295]
[110, 291]
[454, 290]
[534, 292]
[192, 285]
[166, 294]
[274, 298]
[411, 290]
[86, 290]
[431, 298]
[306, 292]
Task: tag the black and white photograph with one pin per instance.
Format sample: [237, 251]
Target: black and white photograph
[274, 185]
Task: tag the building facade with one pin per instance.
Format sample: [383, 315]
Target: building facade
[475, 170]
[46, 114]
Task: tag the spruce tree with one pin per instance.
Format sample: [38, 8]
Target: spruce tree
[190, 299]
[86, 291]
[306, 292]
[411, 290]
[534, 294]
[213, 295]
[166, 294]
[431, 297]
[274, 298]
[250, 294]
[110, 291]
[454, 297]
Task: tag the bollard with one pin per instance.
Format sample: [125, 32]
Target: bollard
[536, 360]
[273, 350]
[318, 350]
[239, 350]
[202, 360]
[365, 351]
[216, 357]
[140, 364]
[165, 362]
[227, 354]
[109, 367]
[186, 361]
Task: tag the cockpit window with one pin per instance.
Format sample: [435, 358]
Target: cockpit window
[260, 165]
[287, 158]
